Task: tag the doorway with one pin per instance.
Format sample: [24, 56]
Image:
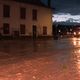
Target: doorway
[34, 31]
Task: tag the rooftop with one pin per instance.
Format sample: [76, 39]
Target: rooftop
[34, 2]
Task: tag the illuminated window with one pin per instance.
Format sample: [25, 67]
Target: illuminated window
[6, 11]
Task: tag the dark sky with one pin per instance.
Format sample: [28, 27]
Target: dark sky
[66, 6]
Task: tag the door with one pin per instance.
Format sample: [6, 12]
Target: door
[34, 31]
[22, 29]
[44, 30]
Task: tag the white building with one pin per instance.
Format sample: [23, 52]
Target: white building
[25, 18]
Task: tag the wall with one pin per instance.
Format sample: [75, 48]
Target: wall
[44, 18]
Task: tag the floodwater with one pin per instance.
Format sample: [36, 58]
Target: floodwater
[40, 59]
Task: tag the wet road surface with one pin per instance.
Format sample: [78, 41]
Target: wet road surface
[40, 59]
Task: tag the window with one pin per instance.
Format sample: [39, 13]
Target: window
[6, 11]
[44, 30]
[22, 13]
[6, 28]
[22, 28]
[34, 14]
[34, 29]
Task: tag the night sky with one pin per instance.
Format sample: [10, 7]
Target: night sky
[66, 6]
[66, 10]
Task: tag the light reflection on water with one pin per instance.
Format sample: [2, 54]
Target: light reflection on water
[76, 44]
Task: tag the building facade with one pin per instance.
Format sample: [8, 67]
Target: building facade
[24, 19]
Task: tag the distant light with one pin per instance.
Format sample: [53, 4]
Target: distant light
[59, 30]
[74, 33]
[70, 29]
[68, 33]
[79, 33]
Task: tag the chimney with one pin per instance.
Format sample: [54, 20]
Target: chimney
[49, 3]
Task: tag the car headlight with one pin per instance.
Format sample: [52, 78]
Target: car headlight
[74, 33]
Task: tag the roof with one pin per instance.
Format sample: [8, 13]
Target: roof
[34, 2]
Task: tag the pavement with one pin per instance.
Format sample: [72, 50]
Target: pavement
[40, 59]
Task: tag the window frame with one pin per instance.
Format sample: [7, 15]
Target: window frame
[22, 13]
[44, 30]
[6, 28]
[22, 29]
[34, 14]
[6, 11]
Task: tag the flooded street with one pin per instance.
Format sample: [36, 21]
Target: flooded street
[40, 59]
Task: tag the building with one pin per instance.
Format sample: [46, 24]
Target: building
[25, 18]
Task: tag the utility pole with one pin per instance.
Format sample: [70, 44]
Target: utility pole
[49, 3]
